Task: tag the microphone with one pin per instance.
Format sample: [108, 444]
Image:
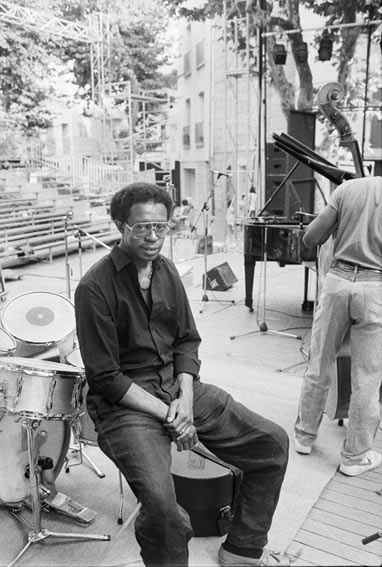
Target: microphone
[220, 174]
[68, 215]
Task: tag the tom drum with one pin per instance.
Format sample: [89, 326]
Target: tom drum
[14, 486]
[40, 321]
[40, 389]
[86, 430]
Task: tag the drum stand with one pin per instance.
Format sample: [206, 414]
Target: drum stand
[38, 533]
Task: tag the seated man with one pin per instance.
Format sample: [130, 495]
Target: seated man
[139, 345]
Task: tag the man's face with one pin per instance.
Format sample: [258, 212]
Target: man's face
[147, 247]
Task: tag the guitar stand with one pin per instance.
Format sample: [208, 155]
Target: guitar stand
[38, 533]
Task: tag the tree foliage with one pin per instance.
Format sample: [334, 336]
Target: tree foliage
[287, 17]
[134, 49]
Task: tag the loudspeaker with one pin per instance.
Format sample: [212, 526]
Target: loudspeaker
[220, 278]
[300, 189]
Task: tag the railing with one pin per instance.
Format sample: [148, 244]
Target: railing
[86, 174]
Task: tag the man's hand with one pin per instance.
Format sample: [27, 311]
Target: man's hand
[179, 423]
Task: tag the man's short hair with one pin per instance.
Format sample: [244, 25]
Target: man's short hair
[139, 192]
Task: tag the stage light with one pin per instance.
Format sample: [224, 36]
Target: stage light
[279, 54]
[302, 53]
[325, 49]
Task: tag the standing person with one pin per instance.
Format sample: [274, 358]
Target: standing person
[252, 199]
[350, 300]
[139, 345]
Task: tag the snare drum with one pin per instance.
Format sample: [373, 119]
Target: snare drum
[14, 486]
[40, 321]
[86, 430]
[40, 389]
[7, 343]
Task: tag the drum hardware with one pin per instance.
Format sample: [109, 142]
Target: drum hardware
[85, 434]
[38, 533]
[78, 447]
[83, 428]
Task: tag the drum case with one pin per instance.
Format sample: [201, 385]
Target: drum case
[206, 488]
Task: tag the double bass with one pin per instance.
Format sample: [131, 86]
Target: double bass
[337, 405]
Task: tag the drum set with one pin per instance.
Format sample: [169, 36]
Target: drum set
[41, 405]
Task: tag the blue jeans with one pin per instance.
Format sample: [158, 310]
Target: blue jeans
[140, 447]
[351, 301]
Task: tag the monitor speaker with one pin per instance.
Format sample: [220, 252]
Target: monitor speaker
[220, 278]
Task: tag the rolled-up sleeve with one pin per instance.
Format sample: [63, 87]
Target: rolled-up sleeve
[98, 342]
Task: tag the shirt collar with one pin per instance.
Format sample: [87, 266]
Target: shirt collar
[121, 259]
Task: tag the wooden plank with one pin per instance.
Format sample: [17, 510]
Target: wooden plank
[363, 493]
[371, 520]
[371, 482]
[341, 554]
[302, 561]
[338, 534]
[351, 524]
[316, 553]
[351, 501]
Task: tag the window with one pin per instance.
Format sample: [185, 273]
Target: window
[187, 64]
[200, 54]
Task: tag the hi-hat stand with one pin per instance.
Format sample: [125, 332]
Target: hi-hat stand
[38, 533]
[204, 211]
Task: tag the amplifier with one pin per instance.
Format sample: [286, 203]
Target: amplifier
[220, 278]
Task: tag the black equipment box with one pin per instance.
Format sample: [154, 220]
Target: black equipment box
[206, 488]
[220, 278]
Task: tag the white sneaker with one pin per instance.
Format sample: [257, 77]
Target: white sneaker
[301, 448]
[371, 460]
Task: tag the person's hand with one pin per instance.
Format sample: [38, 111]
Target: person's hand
[179, 425]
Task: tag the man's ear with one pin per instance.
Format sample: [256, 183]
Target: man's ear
[119, 224]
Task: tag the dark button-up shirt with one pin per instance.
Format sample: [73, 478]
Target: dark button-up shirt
[123, 339]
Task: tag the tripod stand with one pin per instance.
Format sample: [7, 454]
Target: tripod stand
[38, 533]
[204, 212]
[263, 327]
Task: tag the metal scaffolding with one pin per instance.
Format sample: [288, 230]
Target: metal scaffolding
[241, 94]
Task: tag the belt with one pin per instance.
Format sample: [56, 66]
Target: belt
[355, 267]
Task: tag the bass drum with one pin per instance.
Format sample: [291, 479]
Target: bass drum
[53, 438]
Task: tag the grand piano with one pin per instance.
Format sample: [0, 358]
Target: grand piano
[274, 240]
[268, 238]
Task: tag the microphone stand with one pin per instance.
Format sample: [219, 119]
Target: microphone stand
[68, 216]
[81, 232]
[204, 212]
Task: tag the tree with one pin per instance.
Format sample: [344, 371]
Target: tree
[287, 18]
[29, 59]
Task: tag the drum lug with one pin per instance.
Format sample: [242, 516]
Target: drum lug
[19, 388]
[3, 397]
[49, 401]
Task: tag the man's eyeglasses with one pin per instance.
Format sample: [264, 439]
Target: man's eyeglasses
[143, 229]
